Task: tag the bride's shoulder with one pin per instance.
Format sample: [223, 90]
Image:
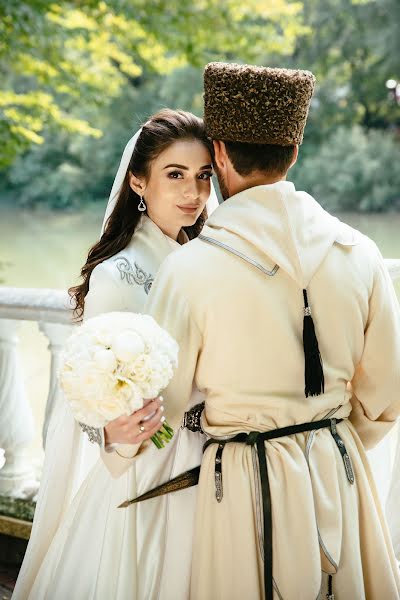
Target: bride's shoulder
[124, 269]
[103, 274]
[110, 267]
[105, 293]
[134, 264]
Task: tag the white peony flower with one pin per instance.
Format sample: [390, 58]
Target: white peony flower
[112, 362]
[127, 346]
[105, 360]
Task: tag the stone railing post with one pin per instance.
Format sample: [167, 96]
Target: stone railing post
[393, 266]
[51, 309]
[16, 423]
[57, 334]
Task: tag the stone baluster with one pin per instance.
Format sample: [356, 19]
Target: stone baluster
[17, 476]
[56, 333]
[393, 266]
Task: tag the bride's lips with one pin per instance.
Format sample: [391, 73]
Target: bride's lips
[188, 209]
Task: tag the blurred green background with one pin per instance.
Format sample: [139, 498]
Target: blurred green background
[78, 77]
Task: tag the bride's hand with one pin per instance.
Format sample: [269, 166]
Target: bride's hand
[138, 427]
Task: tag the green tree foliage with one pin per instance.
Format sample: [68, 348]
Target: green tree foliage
[353, 50]
[351, 149]
[69, 170]
[57, 61]
[353, 170]
[75, 71]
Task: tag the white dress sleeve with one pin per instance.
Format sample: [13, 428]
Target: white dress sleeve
[104, 295]
[169, 307]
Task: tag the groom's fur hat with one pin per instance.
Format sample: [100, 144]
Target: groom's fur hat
[257, 105]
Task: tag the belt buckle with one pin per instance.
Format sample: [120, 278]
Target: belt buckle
[252, 438]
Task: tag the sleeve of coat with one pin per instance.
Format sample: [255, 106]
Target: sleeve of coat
[376, 381]
[104, 296]
[168, 305]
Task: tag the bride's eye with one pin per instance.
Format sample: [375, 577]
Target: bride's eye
[206, 175]
[175, 175]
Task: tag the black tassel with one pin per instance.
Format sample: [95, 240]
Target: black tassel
[313, 370]
[330, 595]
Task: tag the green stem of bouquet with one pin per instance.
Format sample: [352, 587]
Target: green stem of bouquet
[163, 436]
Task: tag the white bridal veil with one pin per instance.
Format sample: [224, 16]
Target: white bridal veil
[69, 456]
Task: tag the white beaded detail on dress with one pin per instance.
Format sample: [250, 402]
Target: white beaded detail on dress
[93, 433]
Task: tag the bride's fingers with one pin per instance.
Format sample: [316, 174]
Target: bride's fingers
[153, 421]
[152, 427]
[145, 412]
[137, 427]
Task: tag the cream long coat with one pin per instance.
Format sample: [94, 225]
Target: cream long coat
[82, 546]
[240, 335]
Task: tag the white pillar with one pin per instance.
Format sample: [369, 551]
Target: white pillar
[16, 425]
[57, 334]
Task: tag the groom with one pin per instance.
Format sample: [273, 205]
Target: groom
[277, 308]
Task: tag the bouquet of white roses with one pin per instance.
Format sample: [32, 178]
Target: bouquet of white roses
[112, 363]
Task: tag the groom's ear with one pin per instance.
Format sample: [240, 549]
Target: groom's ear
[137, 184]
[295, 156]
[220, 154]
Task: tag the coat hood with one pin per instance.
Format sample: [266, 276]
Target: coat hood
[275, 224]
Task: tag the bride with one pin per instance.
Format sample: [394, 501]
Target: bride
[82, 546]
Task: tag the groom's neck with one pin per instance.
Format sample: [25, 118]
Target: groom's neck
[240, 183]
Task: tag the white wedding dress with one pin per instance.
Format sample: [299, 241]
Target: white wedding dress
[82, 546]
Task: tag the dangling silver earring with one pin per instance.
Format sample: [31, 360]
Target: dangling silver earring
[142, 205]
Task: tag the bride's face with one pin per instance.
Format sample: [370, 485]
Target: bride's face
[178, 186]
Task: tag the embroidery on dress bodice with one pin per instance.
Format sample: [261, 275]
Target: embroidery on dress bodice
[134, 275]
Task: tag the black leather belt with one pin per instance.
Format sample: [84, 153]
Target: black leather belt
[258, 439]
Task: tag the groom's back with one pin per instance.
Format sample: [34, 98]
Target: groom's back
[251, 361]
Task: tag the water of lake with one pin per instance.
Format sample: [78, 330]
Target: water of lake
[47, 249]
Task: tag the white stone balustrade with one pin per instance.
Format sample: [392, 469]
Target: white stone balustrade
[393, 265]
[51, 309]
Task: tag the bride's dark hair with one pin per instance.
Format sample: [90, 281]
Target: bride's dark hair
[160, 131]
